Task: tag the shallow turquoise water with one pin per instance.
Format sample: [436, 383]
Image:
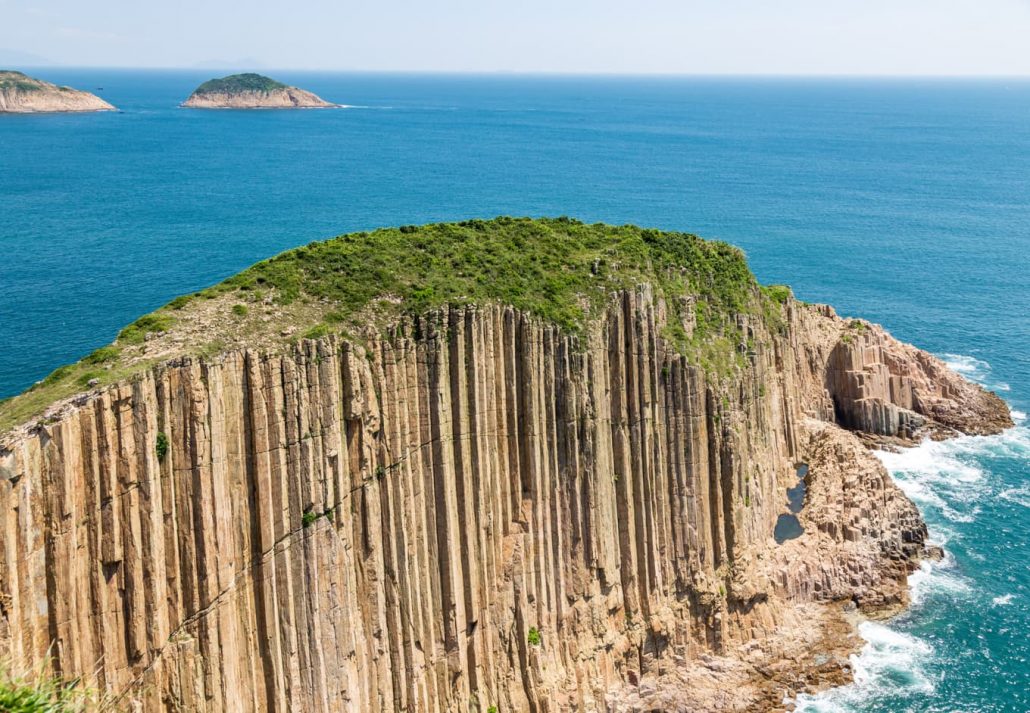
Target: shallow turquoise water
[906, 202]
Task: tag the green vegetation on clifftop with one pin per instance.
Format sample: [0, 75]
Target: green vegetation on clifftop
[236, 83]
[560, 270]
[10, 79]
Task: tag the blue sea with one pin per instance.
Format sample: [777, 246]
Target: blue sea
[903, 201]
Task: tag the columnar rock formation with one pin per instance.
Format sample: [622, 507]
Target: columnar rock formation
[472, 510]
[21, 94]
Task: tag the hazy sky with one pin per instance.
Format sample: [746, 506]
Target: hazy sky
[667, 36]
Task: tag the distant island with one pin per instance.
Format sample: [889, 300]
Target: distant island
[252, 91]
[22, 94]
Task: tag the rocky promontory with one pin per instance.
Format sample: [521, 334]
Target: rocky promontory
[252, 91]
[507, 465]
[22, 94]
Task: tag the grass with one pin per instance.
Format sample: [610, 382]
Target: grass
[154, 323]
[778, 293]
[556, 269]
[10, 79]
[39, 693]
[247, 82]
[559, 269]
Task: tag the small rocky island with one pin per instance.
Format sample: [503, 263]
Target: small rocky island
[252, 91]
[22, 94]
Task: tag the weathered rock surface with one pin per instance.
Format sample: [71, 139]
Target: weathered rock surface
[289, 98]
[252, 91]
[883, 387]
[392, 526]
[21, 94]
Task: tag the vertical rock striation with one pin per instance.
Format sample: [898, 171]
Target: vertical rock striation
[472, 510]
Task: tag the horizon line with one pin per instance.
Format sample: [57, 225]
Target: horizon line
[536, 72]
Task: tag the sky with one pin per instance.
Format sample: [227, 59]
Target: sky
[853, 37]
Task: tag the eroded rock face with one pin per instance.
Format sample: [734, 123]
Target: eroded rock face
[21, 94]
[883, 387]
[284, 98]
[474, 510]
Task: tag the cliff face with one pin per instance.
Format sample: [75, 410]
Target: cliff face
[473, 510]
[20, 94]
[284, 98]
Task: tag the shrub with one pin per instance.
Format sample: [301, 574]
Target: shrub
[309, 518]
[88, 376]
[778, 293]
[57, 375]
[161, 446]
[180, 302]
[534, 636]
[136, 332]
[103, 355]
[318, 331]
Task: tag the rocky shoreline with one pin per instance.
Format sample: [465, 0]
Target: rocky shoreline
[473, 504]
[252, 91]
[21, 94]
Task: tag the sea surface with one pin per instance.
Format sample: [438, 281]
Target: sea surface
[903, 201]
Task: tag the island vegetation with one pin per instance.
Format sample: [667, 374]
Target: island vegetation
[558, 269]
[237, 83]
[252, 91]
[11, 79]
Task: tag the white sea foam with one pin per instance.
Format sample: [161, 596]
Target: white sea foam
[953, 479]
[950, 477]
[890, 663]
[974, 369]
[1019, 496]
[966, 365]
[935, 474]
[936, 579]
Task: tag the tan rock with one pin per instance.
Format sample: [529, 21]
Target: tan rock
[21, 94]
[472, 510]
[252, 91]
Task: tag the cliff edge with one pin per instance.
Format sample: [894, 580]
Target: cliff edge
[252, 91]
[382, 473]
[21, 94]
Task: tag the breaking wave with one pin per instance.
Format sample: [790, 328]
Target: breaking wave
[890, 664]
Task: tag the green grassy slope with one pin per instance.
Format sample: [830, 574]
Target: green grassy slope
[557, 269]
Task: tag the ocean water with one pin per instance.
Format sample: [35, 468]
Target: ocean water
[903, 201]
